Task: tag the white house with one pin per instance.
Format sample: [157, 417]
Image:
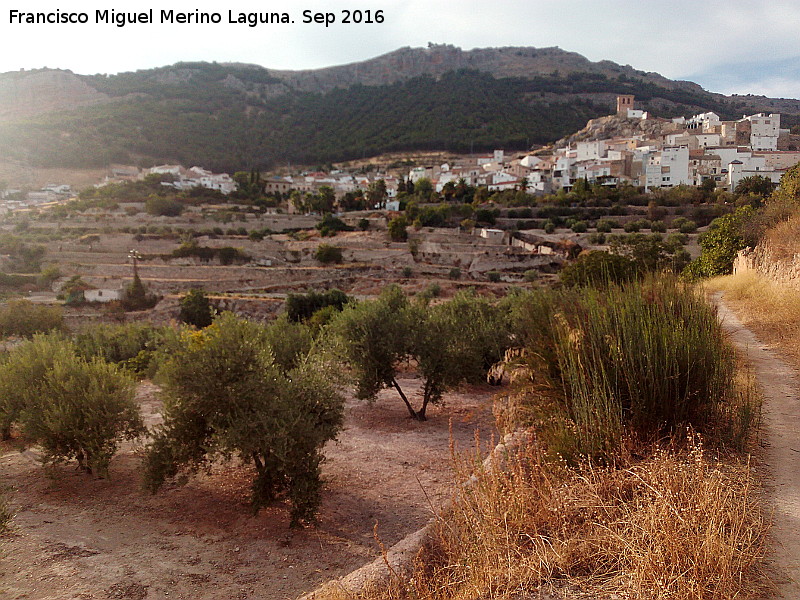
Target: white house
[497, 236]
[764, 131]
[99, 295]
[590, 150]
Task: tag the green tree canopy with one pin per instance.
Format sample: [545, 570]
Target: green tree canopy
[227, 396]
[196, 309]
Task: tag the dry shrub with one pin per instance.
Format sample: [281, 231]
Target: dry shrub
[679, 524]
[783, 239]
[770, 309]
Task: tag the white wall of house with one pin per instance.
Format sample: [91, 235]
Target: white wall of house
[590, 150]
[102, 295]
[675, 166]
[739, 169]
[764, 131]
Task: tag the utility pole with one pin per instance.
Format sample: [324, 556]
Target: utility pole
[135, 258]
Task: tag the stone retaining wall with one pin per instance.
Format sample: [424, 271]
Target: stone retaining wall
[781, 269]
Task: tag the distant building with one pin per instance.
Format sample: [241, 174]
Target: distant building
[624, 103]
[105, 295]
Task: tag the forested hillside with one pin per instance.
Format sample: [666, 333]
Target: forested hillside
[229, 117]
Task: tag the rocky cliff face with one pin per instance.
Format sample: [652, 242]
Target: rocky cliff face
[436, 60]
[26, 94]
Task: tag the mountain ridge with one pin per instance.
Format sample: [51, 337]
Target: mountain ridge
[235, 115]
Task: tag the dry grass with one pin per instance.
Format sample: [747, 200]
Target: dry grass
[664, 520]
[768, 308]
[783, 239]
[680, 524]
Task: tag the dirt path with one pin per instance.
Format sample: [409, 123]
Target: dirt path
[78, 538]
[781, 433]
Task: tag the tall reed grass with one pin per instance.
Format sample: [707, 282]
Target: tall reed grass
[640, 360]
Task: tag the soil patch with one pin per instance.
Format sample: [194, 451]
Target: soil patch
[75, 537]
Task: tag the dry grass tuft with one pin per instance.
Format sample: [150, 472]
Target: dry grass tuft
[680, 524]
[772, 310]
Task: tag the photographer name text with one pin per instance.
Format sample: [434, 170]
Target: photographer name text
[196, 17]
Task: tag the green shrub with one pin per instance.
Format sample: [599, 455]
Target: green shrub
[165, 207]
[493, 276]
[196, 309]
[433, 290]
[606, 225]
[227, 397]
[300, 307]
[228, 255]
[631, 227]
[658, 227]
[454, 273]
[579, 227]
[486, 216]
[71, 407]
[24, 318]
[407, 272]
[531, 275]
[643, 360]
[549, 227]
[327, 254]
[132, 346]
[137, 297]
[397, 229]
[330, 226]
[598, 268]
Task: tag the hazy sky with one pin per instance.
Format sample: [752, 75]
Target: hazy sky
[741, 47]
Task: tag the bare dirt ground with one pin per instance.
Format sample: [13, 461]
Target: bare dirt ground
[76, 537]
[781, 440]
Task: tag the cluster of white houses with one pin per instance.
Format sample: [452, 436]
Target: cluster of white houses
[52, 192]
[182, 178]
[683, 152]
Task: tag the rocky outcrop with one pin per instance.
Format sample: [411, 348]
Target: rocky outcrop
[613, 126]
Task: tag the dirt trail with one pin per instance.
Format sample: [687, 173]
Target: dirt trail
[781, 438]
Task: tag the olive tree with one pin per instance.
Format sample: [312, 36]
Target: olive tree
[374, 338]
[457, 342]
[451, 342]
[74, 409]
[227, 396]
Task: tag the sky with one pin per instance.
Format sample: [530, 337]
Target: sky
[728, 47]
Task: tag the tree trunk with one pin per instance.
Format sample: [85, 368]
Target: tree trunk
[414, 414]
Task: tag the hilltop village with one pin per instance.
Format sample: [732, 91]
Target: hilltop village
[630, 147]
